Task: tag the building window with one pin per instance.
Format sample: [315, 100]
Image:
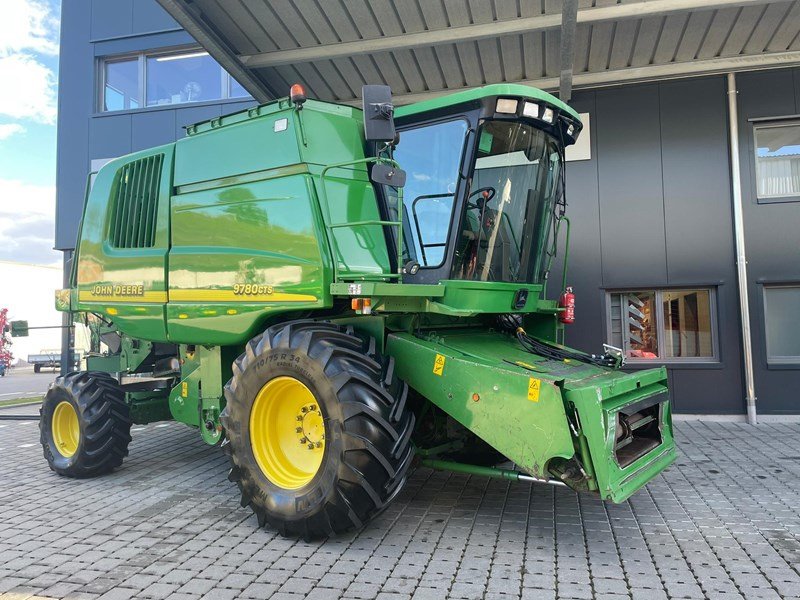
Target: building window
[121, 85]
[778, 162]
[781, 307]
[663, 325]
[147, 80]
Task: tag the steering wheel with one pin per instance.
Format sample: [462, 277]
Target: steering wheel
[486, 194]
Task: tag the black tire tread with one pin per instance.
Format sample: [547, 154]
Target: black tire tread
[354, 369]
[105, 423]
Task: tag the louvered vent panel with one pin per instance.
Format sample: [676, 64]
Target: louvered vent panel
[133, 221]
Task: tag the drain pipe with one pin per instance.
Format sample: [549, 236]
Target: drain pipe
[741, 256]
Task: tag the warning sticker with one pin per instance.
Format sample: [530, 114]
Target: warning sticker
[184, 389]
[438, 365]
[533, 389]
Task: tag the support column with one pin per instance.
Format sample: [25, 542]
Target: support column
[741, 255]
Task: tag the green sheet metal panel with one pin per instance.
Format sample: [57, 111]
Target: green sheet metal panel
[126, 285]
[597, 400]
[515, 410]
[241, 253]
[246, 142]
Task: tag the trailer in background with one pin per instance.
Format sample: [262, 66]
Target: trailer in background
[50, 359]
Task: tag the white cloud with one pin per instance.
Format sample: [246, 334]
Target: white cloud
[28, 25]
[28, 30]
[32, 95]
[9, 129]
[27, 222]
[421, 177]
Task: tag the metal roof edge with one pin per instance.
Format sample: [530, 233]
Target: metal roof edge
[495, 89]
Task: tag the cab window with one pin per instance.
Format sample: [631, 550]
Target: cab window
[431, 156]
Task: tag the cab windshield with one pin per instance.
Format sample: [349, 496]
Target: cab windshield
[509, 210]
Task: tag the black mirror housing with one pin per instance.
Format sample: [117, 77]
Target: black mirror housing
[378, 113]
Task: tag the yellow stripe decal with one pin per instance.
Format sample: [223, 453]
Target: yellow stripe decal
[148, 296]
[206, 295]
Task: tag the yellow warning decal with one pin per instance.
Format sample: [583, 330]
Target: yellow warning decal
[184, 389]
[438, 365]
[533, 389]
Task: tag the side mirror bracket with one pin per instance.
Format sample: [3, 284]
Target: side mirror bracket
[378, 113]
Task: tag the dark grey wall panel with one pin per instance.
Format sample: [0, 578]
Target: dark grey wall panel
[141, 43]
[149, 16]
[697, 197]
[584, 269]
[75, 103]
[796, 77]
[704, 391]
[110, 18]
[152, 128]
[661, 164]
[772, 231]
[630, 185]
[110, 136]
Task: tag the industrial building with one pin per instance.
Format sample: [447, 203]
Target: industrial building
[683, 192]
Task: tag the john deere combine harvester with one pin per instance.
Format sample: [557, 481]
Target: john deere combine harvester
[276, 281]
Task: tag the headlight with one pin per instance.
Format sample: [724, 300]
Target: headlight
[506, 106]
[531, 109]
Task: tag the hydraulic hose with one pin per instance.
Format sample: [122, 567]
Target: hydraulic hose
[512, 323]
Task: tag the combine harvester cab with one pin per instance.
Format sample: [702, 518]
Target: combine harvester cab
[334, 295]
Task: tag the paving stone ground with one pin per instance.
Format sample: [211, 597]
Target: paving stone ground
[721, 523]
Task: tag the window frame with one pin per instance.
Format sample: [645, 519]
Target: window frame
[141, 97]
[779, 362]
[459, 179]
[770, 124]
[661, 332]
[102, 74]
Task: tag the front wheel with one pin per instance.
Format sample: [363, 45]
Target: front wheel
[317, 429]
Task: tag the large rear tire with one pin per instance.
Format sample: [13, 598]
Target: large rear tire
[317, 429]
[85, 424]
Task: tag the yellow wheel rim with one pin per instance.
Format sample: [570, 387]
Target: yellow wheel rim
[66, 429]
[287, 432]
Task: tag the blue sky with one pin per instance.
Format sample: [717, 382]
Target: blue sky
[29, 71]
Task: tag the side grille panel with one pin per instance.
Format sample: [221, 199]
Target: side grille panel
[133, 215]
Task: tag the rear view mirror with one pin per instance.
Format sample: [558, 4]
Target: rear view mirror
[378, 113]
[388, 175]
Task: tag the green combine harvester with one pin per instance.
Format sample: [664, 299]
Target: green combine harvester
[334, 295]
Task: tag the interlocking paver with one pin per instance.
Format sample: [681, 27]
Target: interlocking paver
[721, 523]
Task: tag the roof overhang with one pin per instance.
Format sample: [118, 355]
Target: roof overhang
[425, 49]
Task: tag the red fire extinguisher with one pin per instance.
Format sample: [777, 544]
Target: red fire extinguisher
[567, 302]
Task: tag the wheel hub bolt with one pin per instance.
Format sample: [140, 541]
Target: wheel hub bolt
[303, 440]
[299, 417]
[312, 407]
[318, 444]
[299, 430]
[304, 410]
[311, 446]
